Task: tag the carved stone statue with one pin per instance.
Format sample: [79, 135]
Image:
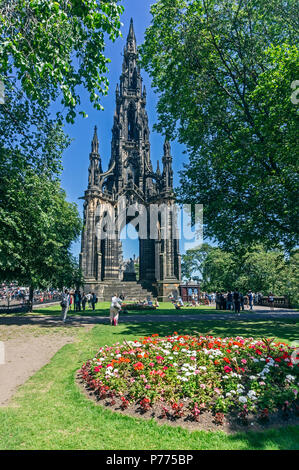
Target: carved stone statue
[130, 266]
[129, 272]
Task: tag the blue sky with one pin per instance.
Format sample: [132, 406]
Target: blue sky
[76, 158]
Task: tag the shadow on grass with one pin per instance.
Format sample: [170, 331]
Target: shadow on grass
[283, 329]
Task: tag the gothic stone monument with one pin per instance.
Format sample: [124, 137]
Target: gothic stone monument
[129, 182]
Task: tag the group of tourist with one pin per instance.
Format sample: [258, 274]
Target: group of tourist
[76, 300]
[237, 301]
[14, 294]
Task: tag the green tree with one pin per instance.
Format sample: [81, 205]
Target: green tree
[219, 271]
[257, 269]
[192, 261]
[49, 50]
[37, 228]
[224, 70]
[263, 271]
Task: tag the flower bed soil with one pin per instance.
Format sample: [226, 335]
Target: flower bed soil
[229, 384]
[231, 424]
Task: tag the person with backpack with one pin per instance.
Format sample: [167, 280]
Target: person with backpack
[65, 303]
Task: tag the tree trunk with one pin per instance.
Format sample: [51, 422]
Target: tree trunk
[30, 302]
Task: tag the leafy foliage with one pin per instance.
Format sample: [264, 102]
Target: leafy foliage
[224, 71]
[37, 229]
[255, 269]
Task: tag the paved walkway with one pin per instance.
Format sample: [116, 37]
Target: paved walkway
[259, 313]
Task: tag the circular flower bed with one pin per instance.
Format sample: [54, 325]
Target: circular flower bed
[182, 377]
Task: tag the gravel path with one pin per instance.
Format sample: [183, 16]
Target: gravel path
[23, 357]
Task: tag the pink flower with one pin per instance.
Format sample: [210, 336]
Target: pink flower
[227, 369]
[243, 361]
[217, 390]
[193, 358]
[202, 386]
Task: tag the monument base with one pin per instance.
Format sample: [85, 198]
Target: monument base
[130, 277]
[167, 289]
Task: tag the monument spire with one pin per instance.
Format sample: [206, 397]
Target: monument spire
[131, 39]
[95, 141]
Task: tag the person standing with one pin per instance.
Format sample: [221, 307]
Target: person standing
[115, 308]
[65, 303]
[88, 296]
[236, 297]
[222, 301]
[229, 301]
[271, 301]
[93, 300]
[250, 299]
[242, 300]
[217, 300]
[77, 301]
[84, 300]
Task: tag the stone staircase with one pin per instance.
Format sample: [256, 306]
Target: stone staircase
[132, 291]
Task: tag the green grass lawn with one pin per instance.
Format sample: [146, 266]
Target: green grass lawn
[49, 411]
[102, 309]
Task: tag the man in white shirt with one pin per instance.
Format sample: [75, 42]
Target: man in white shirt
[65, 303]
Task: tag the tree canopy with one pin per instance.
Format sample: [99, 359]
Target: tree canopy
[224, 71]
[48, 50]
[256, 269]
[37, 228]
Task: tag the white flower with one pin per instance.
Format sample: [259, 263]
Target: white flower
[290, 378]
[242, 399]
